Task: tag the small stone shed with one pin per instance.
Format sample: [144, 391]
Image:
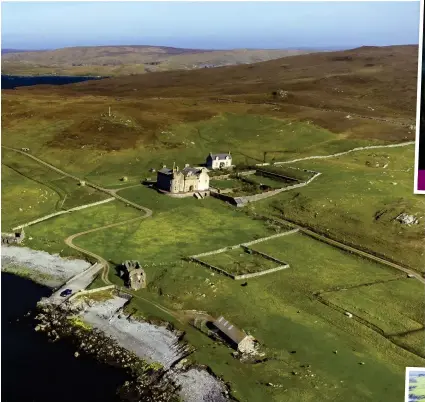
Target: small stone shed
[133, 274]
[238, 339]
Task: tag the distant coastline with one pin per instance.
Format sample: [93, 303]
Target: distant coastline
[15, 81]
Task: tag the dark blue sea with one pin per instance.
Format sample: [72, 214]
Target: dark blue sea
[36, 370]
[15, 81]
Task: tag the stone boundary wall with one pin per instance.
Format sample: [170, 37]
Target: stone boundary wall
[246, 173]
[82, 273]
[265, 173]
[269, 237]
[265, 256]
[267, 271]
[283, 265]
[258, 197]
[220, 250]
[43, 218]
[222, 177]
[213, 267]
[246, 244]
[223, 197]
[403, 144]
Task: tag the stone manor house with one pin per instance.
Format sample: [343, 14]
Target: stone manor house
[188, 181]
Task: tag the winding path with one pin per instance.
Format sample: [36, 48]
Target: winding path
[100, 259]
[113, 193]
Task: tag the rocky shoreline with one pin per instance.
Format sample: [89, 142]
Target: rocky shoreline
[153, 355]
[158, 372]
[146, 381]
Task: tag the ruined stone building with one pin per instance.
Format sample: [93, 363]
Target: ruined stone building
[219, 161]
[133, 274]
[188, 180]
[235, 337]
[13, 238]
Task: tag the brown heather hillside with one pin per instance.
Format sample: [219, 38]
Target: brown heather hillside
[365, 93]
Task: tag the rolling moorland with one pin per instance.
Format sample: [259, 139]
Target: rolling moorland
[278, 110]
[128, 60]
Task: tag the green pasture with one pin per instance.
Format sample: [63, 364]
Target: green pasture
[395, 307]
[238, 262]
[356, 201]
[293, 327]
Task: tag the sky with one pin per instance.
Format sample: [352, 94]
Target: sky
[209, 25]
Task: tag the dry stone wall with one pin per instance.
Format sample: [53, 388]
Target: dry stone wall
[264, 255]
[43, 218]
[267, 271]
[403, 144]
[213, 267]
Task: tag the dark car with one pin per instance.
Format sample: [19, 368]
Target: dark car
[66, 292]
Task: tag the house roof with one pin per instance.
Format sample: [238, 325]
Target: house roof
[220, 156]
[165, 171]
[195, 171]
[235, 334]
[191, 170]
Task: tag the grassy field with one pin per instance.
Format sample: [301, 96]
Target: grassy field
[37, 190]
[314, 351]
[223, 184]
[49, 235]
[412, 340]
[25, 199]
[268, 181]
[176, 233]
[403, 314]
[356, 200]
[106, 149]
[279, 310]
[238, 262]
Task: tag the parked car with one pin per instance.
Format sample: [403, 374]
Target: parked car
[66, 292]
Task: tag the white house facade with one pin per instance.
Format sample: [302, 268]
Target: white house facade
[219, 161]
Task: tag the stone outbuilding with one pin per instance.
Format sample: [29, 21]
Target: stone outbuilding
[13, 238]
[133, 274]
[186, 181]
[238, 339]
[219, 161]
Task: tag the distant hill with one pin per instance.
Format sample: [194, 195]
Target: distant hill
[6, 51]
[373, 80]
[367, 93]
[127, 60]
